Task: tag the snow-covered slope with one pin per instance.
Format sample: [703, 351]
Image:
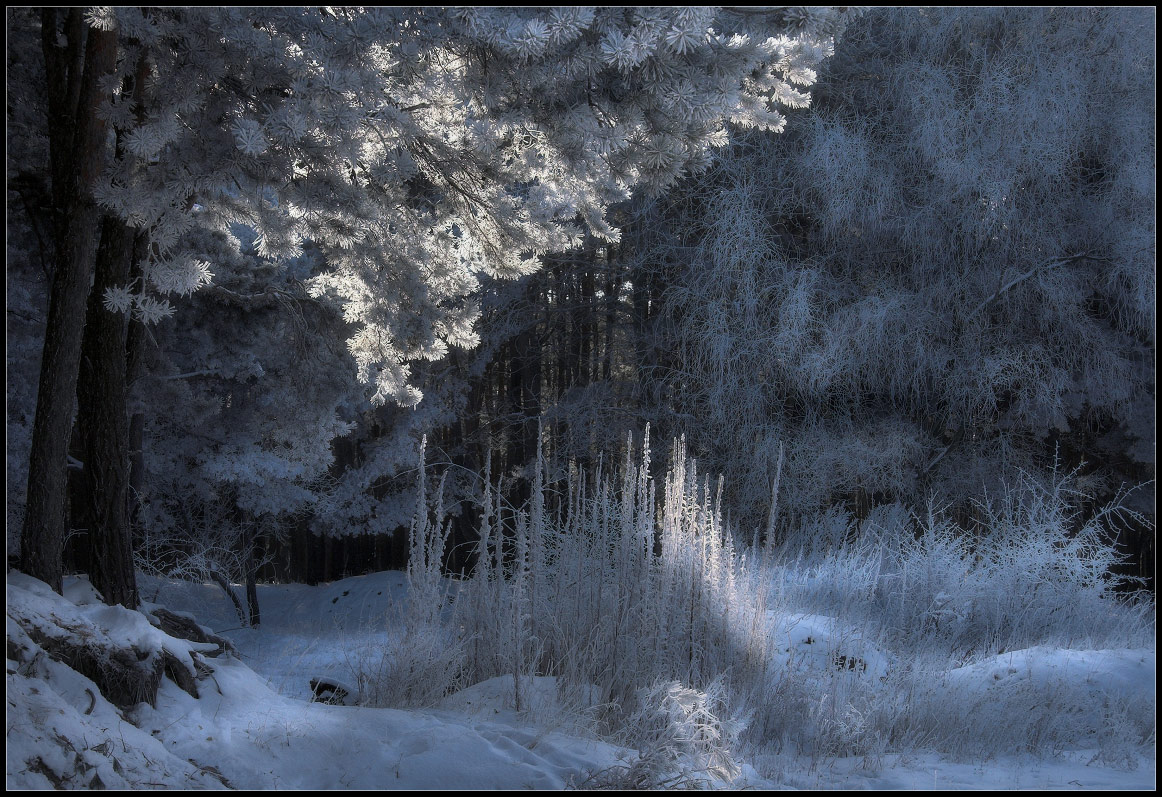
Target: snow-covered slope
[242, 733]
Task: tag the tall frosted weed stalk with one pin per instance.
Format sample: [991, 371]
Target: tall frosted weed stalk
[620, 588]
[425, 661]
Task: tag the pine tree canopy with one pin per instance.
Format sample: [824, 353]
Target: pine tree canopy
[421, 148]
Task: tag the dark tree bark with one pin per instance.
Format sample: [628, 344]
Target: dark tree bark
[135, 337]
[64, 69]
[104, 426]
[252, 584]
[524, 393]
[587, 326]
[76, 165]
[224, 583]
[136, 463]
[102, 412]
[612, 288]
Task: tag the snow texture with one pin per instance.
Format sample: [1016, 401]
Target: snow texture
[253, 726]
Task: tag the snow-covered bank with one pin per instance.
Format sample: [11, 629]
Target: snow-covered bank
[240, 732]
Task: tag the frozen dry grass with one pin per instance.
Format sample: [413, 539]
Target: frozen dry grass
[1032, 582]
[643, 598]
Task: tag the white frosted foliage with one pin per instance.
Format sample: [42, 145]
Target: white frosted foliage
[422, 149]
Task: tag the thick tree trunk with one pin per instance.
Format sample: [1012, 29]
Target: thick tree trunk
[102, 412]
[64, 69]
[101, 418]
[136, 463]
[45, 522]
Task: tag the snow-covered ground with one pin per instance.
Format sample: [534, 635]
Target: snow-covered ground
[254, 727]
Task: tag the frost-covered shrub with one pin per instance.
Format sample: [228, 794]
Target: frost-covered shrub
[991, 637]
[1031, 573]
[681, 739]
[620, 588]
[201, 541]
[414, 668]
[1041, 700]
